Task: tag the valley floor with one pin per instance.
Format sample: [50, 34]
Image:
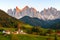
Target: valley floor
[26, 37]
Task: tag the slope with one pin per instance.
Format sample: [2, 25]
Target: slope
[8, 21]
[43, 23]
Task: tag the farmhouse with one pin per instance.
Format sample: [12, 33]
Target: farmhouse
[6, 32]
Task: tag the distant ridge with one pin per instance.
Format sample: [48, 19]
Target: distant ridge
[53, 24]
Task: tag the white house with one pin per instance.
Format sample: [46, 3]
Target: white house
[6, 32]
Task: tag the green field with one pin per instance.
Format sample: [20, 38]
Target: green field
[24, 37]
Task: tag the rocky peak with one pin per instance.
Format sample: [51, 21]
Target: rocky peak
[51, 8]
[25, 8]
[17, 9]
[33, 10]
[45, 11]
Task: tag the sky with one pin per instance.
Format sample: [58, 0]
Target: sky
[37, 4]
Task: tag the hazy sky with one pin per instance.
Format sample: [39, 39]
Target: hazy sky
[37, 4]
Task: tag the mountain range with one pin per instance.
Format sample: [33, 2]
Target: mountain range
[37, 18]
[46, 14]
[47, 18]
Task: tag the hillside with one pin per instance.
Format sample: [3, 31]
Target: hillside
[39, 22]
[34, 21]
[8, 21]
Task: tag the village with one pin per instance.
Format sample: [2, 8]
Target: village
[15, 32]
[20, 31]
